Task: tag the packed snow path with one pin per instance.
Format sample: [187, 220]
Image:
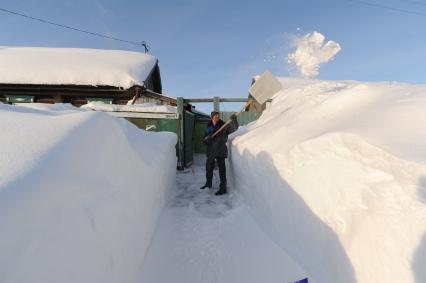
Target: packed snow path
[201, 237]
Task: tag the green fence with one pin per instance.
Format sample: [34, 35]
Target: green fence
[156, 124]
[243, 119]
[188, 136]
[200, 127]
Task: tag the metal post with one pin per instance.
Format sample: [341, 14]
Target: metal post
[180, 112]
[216, 103]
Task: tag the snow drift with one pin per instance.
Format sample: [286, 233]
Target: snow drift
[335, 173]
[80, 194]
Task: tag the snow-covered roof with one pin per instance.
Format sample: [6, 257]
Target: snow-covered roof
[74, 66]
[144, 107]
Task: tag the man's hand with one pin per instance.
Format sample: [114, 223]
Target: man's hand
[208, 140]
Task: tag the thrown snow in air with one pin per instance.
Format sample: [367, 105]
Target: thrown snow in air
[311, 52]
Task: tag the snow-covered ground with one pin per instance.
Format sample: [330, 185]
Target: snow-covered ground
[205, 238]
[80, 194]
[335, 173]
[329, 184]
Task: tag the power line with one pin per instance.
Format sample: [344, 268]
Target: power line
[414, 2]
[143, 43]
[387, 7]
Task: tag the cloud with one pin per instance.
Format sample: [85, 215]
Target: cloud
[311, 53]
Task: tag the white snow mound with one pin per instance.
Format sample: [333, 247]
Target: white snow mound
[335, 172]
[77, 66]
[80, 194]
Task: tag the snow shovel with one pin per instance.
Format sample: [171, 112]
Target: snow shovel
[262, 90]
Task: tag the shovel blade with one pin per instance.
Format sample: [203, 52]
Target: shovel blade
[265, 87]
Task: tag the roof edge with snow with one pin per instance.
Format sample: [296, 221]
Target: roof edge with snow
[75, 66]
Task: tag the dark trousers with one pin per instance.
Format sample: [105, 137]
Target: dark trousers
[222, 171]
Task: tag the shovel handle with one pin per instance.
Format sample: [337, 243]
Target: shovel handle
[250, 101]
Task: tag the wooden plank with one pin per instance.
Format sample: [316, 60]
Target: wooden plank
[198, 100]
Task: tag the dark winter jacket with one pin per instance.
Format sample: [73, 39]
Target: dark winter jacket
[217, 146]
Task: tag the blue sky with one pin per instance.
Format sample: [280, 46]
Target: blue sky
[209, 48]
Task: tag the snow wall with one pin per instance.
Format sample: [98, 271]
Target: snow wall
[335, 173]
[80, 194]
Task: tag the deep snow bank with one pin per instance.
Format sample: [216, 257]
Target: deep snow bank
[335, 172]
[80, 194]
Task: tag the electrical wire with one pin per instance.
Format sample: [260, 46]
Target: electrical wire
[143, 43]
[387, 7]
[415, 2]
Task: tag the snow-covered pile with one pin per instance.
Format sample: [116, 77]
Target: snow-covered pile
[62, 66]
[335, 172]
[80, 194]
[143, 107]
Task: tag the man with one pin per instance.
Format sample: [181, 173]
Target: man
[217, 150]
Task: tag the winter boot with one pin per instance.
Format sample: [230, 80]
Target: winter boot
[206, 186]
[222, 190]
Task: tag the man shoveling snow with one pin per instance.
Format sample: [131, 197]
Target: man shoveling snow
[215, 138]
[216, 134]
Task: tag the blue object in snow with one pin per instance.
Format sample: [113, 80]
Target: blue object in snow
[302, 281]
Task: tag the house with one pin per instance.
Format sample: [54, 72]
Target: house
[79, 76]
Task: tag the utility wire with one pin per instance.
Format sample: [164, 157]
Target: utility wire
[414, 2]
[143, 43]
[387, 7]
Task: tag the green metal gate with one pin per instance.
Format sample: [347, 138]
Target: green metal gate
[200, 127]
[188, 137]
